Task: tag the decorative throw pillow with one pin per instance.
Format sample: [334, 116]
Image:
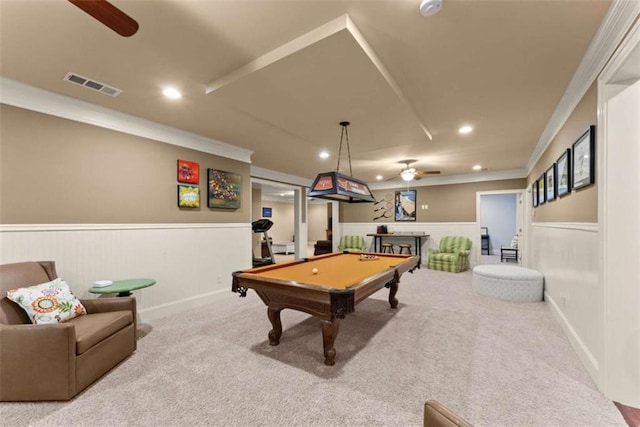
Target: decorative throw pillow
[50, 302]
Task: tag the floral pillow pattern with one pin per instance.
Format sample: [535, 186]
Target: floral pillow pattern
[50, 302]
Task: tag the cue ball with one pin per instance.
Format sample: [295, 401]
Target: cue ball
[314, 271]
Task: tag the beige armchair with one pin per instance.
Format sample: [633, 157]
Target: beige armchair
[57, 361]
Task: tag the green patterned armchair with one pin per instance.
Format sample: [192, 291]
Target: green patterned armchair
[352, 244]
[452, 256]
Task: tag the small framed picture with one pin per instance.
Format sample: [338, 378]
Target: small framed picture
[534, 193]
[563, 173]
[188, 172]
[541, 190]
[188, 196]
[267, 212]
[583, 161]
[405, 205]
[550, 183]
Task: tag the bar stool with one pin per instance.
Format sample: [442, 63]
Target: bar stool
[406, 246]
[387, 247]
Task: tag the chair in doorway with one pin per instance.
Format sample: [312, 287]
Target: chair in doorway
[452, 254]
[352, 244]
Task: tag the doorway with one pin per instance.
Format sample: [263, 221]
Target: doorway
[500, 220]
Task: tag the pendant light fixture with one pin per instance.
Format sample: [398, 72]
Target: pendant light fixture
[338, 187]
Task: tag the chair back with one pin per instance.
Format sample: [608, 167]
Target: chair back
[352, 242]
[20, 275]
[450, 244]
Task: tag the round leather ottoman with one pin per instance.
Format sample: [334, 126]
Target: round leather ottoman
[507, 282]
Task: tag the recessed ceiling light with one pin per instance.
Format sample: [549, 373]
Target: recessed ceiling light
[477, 168]
[324, 155]
[465, 129]
[379, 177]
[171, 92]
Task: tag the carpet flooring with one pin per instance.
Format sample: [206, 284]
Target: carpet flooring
[496, 363]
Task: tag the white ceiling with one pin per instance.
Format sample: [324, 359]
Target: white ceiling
[287, 72]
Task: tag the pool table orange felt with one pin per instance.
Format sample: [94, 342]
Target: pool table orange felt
[343, 280]
[338, 272]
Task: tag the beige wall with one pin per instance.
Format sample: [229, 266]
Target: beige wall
[446, 203]
[317, 223]
[581, 205]
[57, 171]
[283, 219]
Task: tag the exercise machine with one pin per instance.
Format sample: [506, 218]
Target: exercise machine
[262, 226]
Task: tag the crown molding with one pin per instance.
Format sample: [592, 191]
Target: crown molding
[617, 22]
[18, 94]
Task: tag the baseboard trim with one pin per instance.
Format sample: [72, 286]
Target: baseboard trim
[164, 310]
[7, 228]
[588, 360]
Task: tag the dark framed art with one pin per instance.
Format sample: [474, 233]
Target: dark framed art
[188, 172]
[188, 196]
[534, 193]
[267, 212]
[550, 183]
[224, 189]
[405, 205]
[541, 190]
[563, 173]
[583, 159]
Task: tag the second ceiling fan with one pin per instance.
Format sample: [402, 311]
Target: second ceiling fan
[409, 173]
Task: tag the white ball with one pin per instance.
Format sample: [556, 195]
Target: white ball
[314, 271]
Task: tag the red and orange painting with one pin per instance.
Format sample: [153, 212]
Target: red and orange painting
[188, 172]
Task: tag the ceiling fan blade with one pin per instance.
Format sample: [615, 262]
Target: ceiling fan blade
[109, 15]
[423, 173]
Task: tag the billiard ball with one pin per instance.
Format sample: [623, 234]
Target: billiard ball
[314, 271]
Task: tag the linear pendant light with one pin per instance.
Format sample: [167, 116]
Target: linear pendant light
[338, 187]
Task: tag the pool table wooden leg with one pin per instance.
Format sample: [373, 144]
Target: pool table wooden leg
[329, 333]
[393, 290]
[276, 332]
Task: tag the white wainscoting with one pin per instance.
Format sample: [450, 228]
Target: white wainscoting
[435, 230]
[567, 255]
[191, 263]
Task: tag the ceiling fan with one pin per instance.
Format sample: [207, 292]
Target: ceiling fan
[409, 173]
[109, 15]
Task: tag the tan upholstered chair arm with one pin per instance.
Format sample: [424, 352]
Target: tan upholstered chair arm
[103, 305]
[36, 356]
[438, 415]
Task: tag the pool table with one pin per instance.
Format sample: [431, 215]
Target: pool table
[326, 286]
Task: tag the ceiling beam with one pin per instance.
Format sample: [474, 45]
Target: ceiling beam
[341, 23]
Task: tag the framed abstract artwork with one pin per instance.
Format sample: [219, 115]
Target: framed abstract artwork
[563, 173]
[188, 172]
[583, 161]
[224, 189]
[405, 205]
[550, 183]
[188, 196]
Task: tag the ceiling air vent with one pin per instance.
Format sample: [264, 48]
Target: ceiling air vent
[92, 84]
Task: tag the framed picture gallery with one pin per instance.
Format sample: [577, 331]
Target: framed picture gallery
[563, 173]
[541, 190]
[583, 159]
[550, 183]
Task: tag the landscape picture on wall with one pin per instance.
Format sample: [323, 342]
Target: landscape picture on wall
[224, 189]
